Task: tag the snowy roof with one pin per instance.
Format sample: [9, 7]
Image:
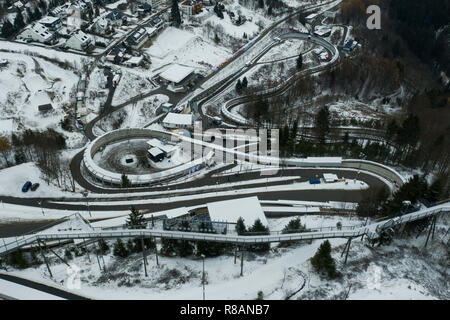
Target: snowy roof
[155, 151]
[40, 98]
[158, 144]
[178, 118]
[41, 30]
[82, 37]
[49, 20]
[230, 210]
[330, 177]
[176, 73]
[135, 60]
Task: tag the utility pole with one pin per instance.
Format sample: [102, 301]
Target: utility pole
[42, 209]
[242, 262]
[143, 256]
[203, 275]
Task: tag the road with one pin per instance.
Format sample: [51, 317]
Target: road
[41, 287]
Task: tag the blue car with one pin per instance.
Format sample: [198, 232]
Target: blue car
[26, 186]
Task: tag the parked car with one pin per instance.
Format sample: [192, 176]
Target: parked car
[35, 186]
[314, 181]
[26, 186]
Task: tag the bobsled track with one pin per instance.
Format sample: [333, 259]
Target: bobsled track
[371, 231]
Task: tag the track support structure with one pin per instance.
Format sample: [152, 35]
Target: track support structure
[346, 249]
[45, 259]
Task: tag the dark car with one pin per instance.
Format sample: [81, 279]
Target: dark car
[26, 186]
[35, 186]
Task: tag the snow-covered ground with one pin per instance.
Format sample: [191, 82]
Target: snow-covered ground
[185, 47]
[13, 178]
[28, 82]
[401, 270]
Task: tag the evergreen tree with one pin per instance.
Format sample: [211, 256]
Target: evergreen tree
[322, 122]
[135, 219]
[17, 260]
[299, 61]
[7, 29]
[244, 82]
[216, 38]
[168, 247]
[238, 86]
[97, 11]
[322, 261]
[37, 14]
[244, 36]
[211, 249]
[261, 4]
[175, 14]
[18, 21]
[270, 11]
[103, 245]
[119, 249]
[294, 226]
[240, 226]
[259, 229]
[126, 183]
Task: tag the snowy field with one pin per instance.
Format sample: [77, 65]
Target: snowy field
[29, 82]
[13, 178]
[131, 85]
[402, 270]
[186, 48]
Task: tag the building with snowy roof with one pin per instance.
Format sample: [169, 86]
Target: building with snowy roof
[38, 32]
[177, 120]
[216, 217]
[137, 39]
[51, 23]
[79, 41]
[167, 149]
[155, 154]
[178, 77]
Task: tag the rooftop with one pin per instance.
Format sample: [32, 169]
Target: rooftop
[230, 210]
[176, 73]
[178, 118]
[155, 151]
[158, 144]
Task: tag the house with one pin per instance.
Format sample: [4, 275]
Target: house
[156, 22]
[134, 61]
[19, 5]
[177, 120]
[322, 31]
[190, 7]
[39, 33]
[42, 101]
[311, 17]
[166, 107]
[167, 149]
[155, 154]
[349, 45]
[143, 9]
[115, 18]
[51, 23]
[79, 41]
[101, 26]
[137, 39]
[154, 3]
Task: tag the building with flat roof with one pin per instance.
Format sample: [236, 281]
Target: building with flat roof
[52, 23]
[137, 39]
[177, 120]
[167, 149]
[155, 154]
[178, 77]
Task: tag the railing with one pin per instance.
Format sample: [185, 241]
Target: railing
[354, 231]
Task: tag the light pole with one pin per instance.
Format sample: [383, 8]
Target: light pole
[85, 194]
[203, 275]
[42, 209]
